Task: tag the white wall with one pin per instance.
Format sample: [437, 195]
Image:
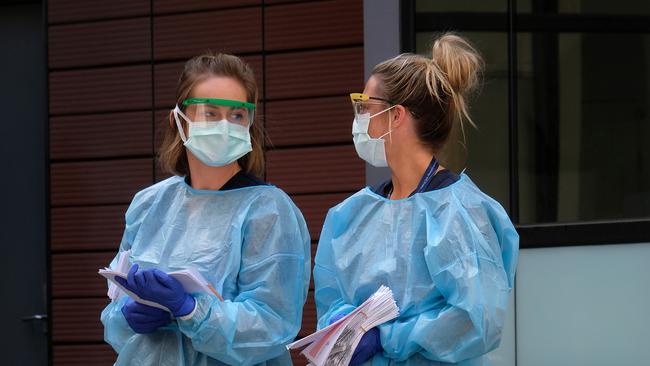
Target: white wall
[587, 305]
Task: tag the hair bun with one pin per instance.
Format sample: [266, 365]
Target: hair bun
[459, 60]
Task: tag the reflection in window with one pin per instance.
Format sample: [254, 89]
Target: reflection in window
[583, 138]
[484, 151]
[423, 6]
[600, 7]
[584, 126]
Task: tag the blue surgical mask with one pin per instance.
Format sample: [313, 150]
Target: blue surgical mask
[216, 143]
[372, 150]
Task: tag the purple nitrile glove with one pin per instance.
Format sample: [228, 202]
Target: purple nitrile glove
[369, 345]
[144, 319]
[337, 317]
[157, 286]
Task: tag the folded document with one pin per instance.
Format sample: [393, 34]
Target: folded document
[191, 279]
[335, 344]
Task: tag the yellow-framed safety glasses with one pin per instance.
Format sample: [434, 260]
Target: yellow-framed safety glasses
[360, 97]
[363, 103]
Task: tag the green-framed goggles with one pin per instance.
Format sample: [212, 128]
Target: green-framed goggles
[214, 110]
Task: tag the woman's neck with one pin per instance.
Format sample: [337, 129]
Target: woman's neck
[407, 171]
[208, 177]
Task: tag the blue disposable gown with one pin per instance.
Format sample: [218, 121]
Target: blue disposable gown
[449, 255]
[251, 243]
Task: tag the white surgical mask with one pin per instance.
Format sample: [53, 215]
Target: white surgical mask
[214, 143]
[372, 150]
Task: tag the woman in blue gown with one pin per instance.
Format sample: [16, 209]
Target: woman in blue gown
[447, 250]
[216, 216]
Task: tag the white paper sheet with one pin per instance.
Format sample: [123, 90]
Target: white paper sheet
[335, 344]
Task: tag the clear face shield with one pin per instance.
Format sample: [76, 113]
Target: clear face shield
[214, 110]
[217, 129]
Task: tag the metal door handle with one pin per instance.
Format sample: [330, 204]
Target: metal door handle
[35, 317]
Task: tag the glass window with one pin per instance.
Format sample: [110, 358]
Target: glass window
[584, 126]
[484, 151]
[583, 94]
[599, 7]
[461, 6]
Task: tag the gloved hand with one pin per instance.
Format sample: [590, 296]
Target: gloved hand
[369, 345]
[337, 317]
[144, 319]
[157, 286]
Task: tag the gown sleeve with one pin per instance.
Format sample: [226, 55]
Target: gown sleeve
[116, 330]
[329, 298]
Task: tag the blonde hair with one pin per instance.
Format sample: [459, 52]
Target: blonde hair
[434, 90]
[172, 156]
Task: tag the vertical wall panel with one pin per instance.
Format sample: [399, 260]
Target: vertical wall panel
[101, 143]
[309, 316]
[100, 135]
[82, 355]
[315, 206]
[100, 90]
[161, 125]
[172, 6]
[305, 25]
[86, 228]
[309, 121]
[101, 43]
[308, 113]
[77, 320]
[316, 170]
[314, 73]
[101, 182]
[109, 102]
[274, 2]
[186, 35]
[166, 77]
[78, 10]
[75, 275]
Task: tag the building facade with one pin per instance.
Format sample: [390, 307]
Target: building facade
[561, 143]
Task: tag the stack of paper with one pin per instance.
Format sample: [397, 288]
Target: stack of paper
[114, 292]
[191, 279]
[335, 344]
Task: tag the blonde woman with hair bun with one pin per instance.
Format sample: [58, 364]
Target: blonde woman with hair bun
[447, 250]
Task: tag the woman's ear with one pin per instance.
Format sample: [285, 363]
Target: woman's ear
[171, 119]
[398, 116]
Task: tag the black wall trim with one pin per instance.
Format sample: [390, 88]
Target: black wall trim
[589, 233]
[498, 22]
[408, 25]
[513, 127]
[48, 208]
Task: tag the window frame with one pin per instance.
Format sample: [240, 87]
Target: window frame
[600, 232]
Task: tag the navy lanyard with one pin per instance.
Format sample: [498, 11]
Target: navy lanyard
[425, 180]
[428, 175]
